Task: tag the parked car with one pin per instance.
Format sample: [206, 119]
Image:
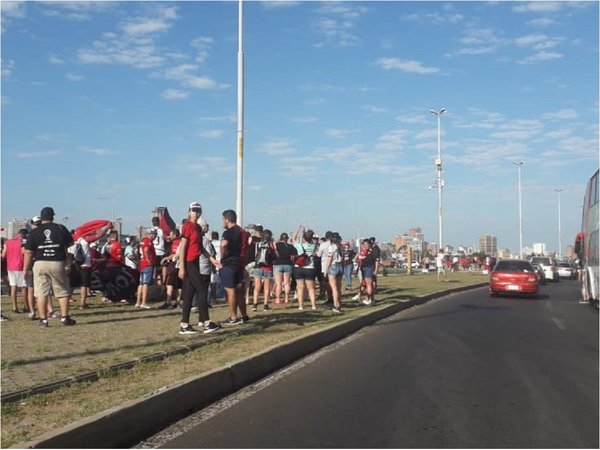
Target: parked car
[514, 276]
[540, 273]
[549, 266]
[566, 270]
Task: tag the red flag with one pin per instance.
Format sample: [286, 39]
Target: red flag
[166, 223]
[92, 230]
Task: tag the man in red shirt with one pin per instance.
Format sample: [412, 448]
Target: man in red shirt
[115, 254]
[146, 268]
[190, 249]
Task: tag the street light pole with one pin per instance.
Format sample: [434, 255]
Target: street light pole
[438, 165]
[559, 253]
[519, 164]
[240, 119]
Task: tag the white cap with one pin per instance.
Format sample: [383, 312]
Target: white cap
[195, 205]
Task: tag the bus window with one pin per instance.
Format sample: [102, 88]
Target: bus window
[594, 189]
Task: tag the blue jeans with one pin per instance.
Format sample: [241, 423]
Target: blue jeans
[348, 275]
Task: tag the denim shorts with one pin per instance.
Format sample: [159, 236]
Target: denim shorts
[367, 272]
[335, 270]
[259, 272]
[146, 275]
[282, 268]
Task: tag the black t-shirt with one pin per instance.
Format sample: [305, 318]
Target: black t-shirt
[49, 242]
[285, 252]
[237, 246]
[376, 252]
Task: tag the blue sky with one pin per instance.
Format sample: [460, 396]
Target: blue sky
[137, 102]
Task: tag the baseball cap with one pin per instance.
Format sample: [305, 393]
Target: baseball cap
[195, 205]
[35, 220]
[250, 226]
[47, 213]
[258, 227]
[151, 230]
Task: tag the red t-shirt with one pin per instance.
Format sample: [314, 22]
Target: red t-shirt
[193, 233]
[175, 246]
[147, 254]
[114, 250]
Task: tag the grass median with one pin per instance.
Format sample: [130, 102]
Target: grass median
[109, 334]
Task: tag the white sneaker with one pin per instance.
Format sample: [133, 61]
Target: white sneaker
[366, 302]
[356, 297]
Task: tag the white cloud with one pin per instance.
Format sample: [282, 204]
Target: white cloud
[304, 119]
[411, 118]
[7, 67]
[53, 59]
[336, 23]
[43, 154]
[435, 18]
[14, 10]
[563, 114]
[74, 77]
[280, 4]
[541, 56]
[211, 134]
[541, 22]
[337, 133]
[77, 11]
[174, 94]
[278, 147]
[405, 65]
[202, 45]
[161, 20]
[538, 7]
[99, 151]
[184, 74]
[392, 140]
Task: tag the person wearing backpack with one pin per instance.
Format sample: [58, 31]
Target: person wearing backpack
[83, 262]
[304, 269]
[263, 271]
[282, 268]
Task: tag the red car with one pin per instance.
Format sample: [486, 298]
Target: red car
[514, 276]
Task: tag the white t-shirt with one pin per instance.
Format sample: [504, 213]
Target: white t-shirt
[159, 242]
[439, 260]
[333, 252]
[322, 253]
[130, 257]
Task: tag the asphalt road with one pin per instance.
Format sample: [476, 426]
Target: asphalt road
[465, 371]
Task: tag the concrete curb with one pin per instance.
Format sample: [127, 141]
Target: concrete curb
[131, 422]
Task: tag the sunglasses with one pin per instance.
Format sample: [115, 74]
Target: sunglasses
[196, 210]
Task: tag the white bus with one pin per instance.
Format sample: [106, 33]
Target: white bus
[586, 243]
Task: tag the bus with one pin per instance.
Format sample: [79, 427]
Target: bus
[586, 243]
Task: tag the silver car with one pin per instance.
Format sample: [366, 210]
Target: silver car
[566, 270]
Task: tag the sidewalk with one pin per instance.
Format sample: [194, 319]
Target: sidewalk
[107, 335]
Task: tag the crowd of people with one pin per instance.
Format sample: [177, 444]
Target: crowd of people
[194, 264]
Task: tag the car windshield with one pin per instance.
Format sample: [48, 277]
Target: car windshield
[543, 261]
[513, 266]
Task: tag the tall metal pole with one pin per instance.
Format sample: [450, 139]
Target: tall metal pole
[240, 120]
[559, 253]
[519, 164]
[439, 180]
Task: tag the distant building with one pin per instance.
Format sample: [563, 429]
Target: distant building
[139, 232]
[488, 245]
[433, 248]
[571, 252]
[539, 248]
[15, 225]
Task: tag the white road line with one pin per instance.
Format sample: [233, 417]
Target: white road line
[559, 323]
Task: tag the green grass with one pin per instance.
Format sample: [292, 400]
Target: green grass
[109, 334]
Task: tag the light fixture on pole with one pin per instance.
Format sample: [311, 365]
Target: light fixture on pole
[559, 253]
[519, 164]
[240, 119]
[438, 164]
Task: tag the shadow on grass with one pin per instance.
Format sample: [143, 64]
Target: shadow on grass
[99, 351]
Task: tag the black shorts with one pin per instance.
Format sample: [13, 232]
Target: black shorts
[86, 276]
[231, 276]
[173, 276]
[300, 273]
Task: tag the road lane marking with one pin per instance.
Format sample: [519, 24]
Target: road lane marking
[559, 323]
